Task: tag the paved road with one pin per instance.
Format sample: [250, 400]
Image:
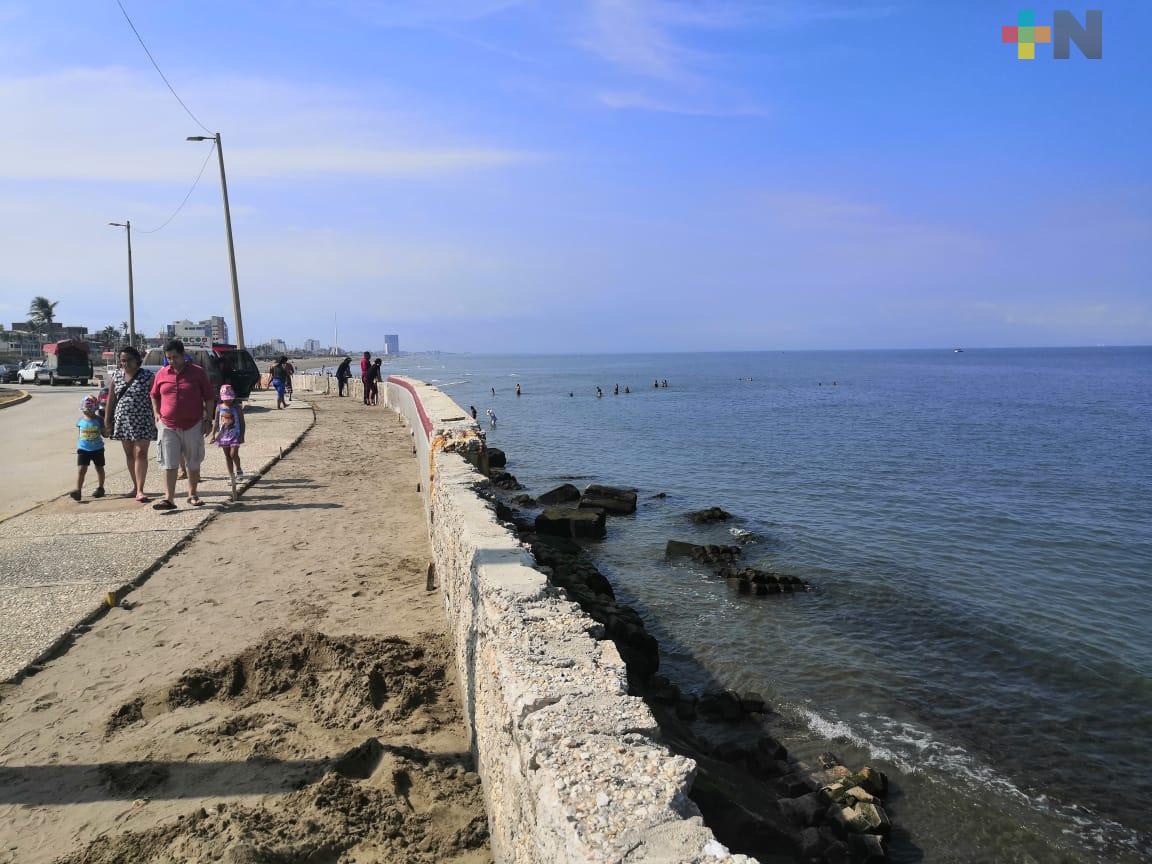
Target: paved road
[38, 447]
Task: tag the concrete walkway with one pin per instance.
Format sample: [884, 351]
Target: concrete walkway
[60, 559]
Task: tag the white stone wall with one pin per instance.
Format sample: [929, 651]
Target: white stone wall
[572, 767]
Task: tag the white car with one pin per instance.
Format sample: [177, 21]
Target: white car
[27, 375]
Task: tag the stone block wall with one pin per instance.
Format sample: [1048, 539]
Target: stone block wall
[572, 766]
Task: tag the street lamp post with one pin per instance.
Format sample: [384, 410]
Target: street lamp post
[127, 226]
[228, 226]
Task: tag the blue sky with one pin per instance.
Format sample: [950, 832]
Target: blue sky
[585, 175]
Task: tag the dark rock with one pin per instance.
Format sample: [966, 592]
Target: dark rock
[772, 748]
[829, 760]
[660, 495]
[730, 708]
[614, 500]
[796, 783]
[733, 752]
[572, 522]
[560, 495]
[496, 457]
[710, 554]
[810, 843]
[838, 853]
[753, 703]
[686, 708]
[504, 480]
[712, 514]
[867, 848]
[525, 501]
[806, 809]
[663, 690]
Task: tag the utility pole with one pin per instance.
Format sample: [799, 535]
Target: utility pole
[228, 227]
[127, 225]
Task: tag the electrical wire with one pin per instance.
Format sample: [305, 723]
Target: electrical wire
[195, 182]
[157, 66]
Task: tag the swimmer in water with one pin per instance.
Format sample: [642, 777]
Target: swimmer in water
[517, 389]
[491, 417]
[599, 392]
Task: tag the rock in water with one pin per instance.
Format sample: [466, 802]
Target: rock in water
[613, 500]
[560, 495]
[710, 554]
[504, 480]
[572, 522]
[711, 514]
[496, 457]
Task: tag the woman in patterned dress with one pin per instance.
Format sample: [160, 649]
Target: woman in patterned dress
[129, 416]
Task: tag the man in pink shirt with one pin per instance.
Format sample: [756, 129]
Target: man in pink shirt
[184, 404]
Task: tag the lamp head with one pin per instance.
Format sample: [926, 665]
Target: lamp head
[201, 137]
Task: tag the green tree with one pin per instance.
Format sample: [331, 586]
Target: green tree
[109, 337]
[42, 313]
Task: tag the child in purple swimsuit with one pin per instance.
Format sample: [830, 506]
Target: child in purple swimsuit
[228, 433]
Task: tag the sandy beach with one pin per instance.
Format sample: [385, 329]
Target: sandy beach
[279, 690]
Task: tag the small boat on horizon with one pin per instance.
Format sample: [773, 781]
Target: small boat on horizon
[957, 350]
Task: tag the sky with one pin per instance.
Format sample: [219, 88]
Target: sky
[583, 175]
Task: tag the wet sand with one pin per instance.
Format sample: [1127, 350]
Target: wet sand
[279, 690]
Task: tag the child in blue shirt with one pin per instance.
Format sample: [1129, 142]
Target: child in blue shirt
[89, 447]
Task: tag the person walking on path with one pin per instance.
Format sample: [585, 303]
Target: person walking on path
[129, 419]
[289, 371]
[365, 373]
[183, 402]
[343, 373]
[89, 447]
[279, 373]
[228, 434]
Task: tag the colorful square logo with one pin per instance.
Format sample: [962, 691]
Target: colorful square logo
[1026, 35]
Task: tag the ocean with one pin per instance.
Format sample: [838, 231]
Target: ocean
[977, 527]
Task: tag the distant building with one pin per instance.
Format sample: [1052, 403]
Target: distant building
[311, 346]
[210, 331]
[54, 332]
[392, 345]
[278, 345]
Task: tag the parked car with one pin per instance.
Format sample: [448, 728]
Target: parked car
[27, 375]
[9, 373]
[225, 364]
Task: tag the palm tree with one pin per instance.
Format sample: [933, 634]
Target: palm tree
[41, 313]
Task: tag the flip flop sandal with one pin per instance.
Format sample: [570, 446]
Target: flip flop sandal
[195, 501]
[142, 498]
[164, 505]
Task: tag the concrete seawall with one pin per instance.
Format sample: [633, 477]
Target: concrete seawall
[572, 766]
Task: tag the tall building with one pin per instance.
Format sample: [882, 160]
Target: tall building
[392, 345]
[278, 345]
[210, 331]
[312, 346]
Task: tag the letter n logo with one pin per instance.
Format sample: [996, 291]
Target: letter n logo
[1089, 38]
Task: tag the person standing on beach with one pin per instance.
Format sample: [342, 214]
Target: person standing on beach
[289, 371]
[183, 403]
[365, 373]
[472, 411]
[374, 377]
[343, 373]
[128, 416]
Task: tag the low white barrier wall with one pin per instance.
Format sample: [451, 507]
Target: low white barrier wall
[572, 767]
[571, 764]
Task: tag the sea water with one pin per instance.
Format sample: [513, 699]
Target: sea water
[977, 530]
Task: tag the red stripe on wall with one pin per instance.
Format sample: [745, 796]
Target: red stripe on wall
[400, 382]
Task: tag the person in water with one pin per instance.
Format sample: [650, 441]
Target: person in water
[599, 393]
[627, 390]
[616, 390]
[517, 389]
[493, 391]
[491, 417]
[472, 411]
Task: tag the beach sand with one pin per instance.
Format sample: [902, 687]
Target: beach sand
[279, 690]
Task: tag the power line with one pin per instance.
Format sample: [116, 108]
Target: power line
[157, 66]
[176, 212]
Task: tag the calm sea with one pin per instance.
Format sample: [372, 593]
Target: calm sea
[978, 527]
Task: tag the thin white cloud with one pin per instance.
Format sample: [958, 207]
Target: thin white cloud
[113, 125]
[640, 101]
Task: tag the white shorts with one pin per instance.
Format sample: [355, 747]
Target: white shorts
[175, 443]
